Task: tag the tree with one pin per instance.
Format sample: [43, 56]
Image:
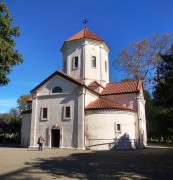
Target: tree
[142, 58]
[9, 57]
[10, 126]
[127, 79]
[10, 123]
[164, 81]
[163, 96]
[22, 102]
[149, 108]
[5, 118]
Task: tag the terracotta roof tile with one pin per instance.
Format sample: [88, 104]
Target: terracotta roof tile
[95, 84]
[29, 99]
[105, 104]
[85, 33]
[122, 87]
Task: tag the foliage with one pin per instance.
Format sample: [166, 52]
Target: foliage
[127, 79]
[10, 125]
[22, 102]
[9, 57]
[163, 96]
[164, 82]
[149, 108]
[142, 57]
[5, 118]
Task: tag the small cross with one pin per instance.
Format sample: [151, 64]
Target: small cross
[85, 21]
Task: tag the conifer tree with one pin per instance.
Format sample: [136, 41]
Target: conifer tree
[163, 95]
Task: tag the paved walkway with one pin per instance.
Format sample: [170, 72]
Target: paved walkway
[30, 164]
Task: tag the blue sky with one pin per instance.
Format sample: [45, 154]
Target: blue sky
[46, 24]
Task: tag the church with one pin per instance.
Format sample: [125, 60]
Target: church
[78, 108]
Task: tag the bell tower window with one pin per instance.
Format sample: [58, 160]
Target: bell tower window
[65, 66]
[75, 62]
[106, 67]
[93, 62]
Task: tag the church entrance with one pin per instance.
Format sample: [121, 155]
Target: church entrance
[55, 138]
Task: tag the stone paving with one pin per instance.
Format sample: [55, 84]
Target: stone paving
[31, 164]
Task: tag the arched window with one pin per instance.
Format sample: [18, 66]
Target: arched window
[56, 90]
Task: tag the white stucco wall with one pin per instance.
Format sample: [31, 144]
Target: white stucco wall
[100, 129]
[85, 49]
[100, 51]
[127, 100]
[72, 96]
[55, 107]
[90, 97]
[71, 50]
[25, 130]
[66, 86]
[135, 101]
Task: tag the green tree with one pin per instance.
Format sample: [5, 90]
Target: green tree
[139, 61]
[5, 118]
[22, 102]
[15, 123]
[10, 123]
[10, 126]
[163, 96]
[9, 56]
[149, 108]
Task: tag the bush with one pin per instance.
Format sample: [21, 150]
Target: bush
[10, 139]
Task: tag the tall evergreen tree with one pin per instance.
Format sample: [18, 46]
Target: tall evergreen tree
[164, 81]
[163, 94]
[9, 57]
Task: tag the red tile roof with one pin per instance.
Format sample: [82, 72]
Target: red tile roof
[95, 84]
[85, 33]
[29, 99]
[122, 87]
[106, 104]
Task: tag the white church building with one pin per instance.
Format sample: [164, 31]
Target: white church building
[79, 108]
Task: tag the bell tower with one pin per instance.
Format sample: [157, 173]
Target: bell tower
[85, 57]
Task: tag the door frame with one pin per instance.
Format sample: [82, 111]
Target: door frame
[60, 138]
[55, 138]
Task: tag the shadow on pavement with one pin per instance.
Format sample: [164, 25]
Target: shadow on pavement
[10, 145]
[136, 164]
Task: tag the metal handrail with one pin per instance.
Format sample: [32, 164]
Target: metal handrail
[114, 142]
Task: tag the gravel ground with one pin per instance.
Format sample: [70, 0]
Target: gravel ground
[31, 164]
